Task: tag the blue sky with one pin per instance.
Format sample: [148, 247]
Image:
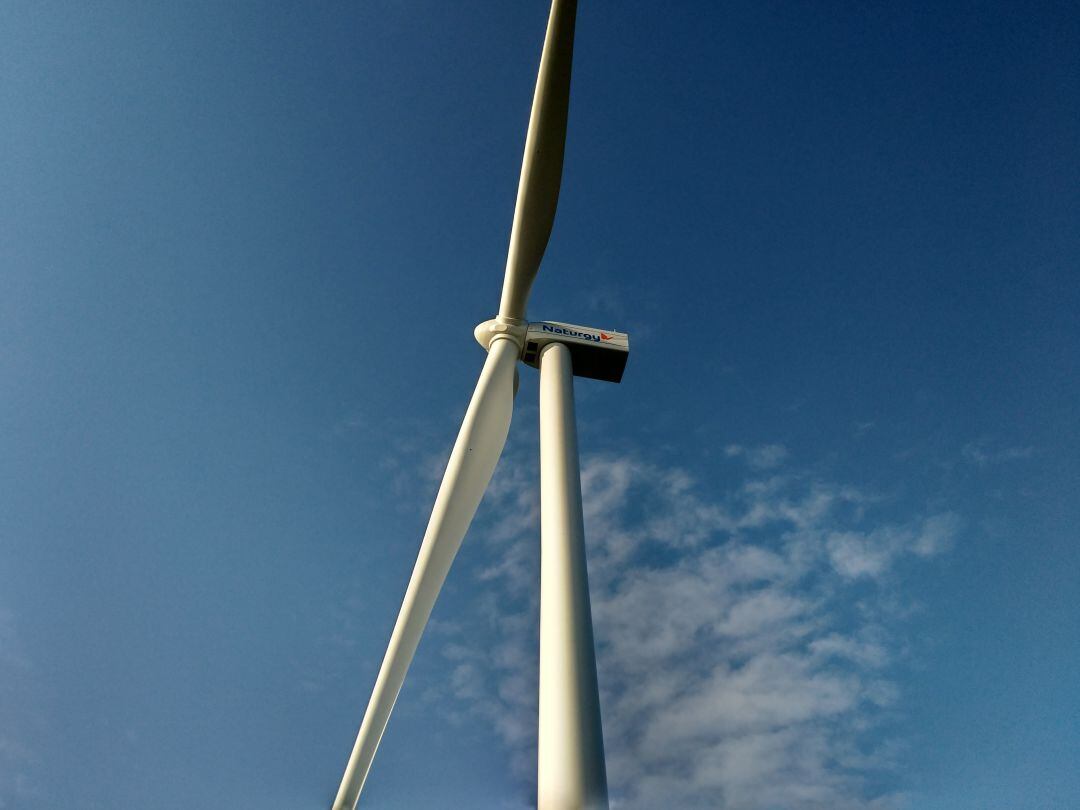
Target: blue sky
[831, 509]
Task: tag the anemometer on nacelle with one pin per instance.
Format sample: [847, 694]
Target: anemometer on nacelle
[595, 353]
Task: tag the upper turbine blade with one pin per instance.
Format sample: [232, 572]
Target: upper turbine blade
[541, 168]
[472, 462]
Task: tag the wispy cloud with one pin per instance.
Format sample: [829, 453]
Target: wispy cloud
[985, 452]
[871, 553]
[762, 457]
[741, 664]
[860, 429]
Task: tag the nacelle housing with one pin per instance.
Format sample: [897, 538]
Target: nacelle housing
[595, 353]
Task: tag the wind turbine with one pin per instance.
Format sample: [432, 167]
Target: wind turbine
[571, 772]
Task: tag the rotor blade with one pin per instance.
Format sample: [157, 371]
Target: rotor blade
[472, 462]
[541, 168]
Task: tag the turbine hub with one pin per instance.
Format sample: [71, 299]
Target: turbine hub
[501, 327]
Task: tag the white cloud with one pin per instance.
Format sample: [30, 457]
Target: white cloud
[985, 452]
[762, 457]
[855, 554]
[860, 429]
[733, 674]
[937, 535]
[864, 652]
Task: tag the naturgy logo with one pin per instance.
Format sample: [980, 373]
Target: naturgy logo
[558, 330]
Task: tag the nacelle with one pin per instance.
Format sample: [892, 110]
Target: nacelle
[595, 353]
